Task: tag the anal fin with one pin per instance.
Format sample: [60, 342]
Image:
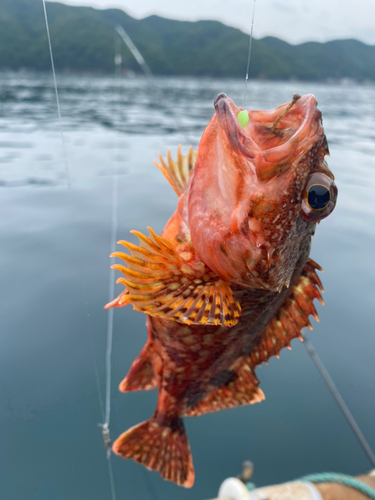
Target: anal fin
[160, 448]
[242, 389]
[142, 375]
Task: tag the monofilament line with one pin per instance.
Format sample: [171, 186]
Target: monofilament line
[249, 55]
[111, 296]
[151, 78]
[111, 310]
[105, 430]
[111, 290]
[108, 356]
[57, 94]
[133, 49]
[339, 400]
[96, 370]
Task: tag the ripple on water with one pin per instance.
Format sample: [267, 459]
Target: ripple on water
[54, 269]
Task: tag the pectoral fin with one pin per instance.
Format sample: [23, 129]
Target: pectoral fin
[160, 283]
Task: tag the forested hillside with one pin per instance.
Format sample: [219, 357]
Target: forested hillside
[83, 40]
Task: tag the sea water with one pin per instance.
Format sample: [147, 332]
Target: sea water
[54, 247]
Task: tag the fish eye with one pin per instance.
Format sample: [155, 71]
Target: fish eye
[319, 198]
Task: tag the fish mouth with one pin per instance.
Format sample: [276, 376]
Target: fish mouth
[272, 140]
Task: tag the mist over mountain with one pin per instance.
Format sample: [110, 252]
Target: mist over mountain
[83, 41]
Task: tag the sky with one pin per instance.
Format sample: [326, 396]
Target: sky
[295, 21]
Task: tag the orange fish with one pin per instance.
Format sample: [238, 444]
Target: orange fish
[229, 282]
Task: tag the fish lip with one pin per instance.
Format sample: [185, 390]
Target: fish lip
[227, 112]
[267, 162]
[311, 114]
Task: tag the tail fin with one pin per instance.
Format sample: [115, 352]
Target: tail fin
[159, 448]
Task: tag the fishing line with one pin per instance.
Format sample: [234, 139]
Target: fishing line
[105, 429]
[133, 49]
[310, 349]
[111, 480]
[249, 56]
[339, 400]
[96, 370]
[105, 412]
[111, 296]
[114, 225]
[118, 57]
[57, 95]
[111, 290]
[151, 79]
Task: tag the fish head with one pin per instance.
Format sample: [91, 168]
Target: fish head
[258, 191]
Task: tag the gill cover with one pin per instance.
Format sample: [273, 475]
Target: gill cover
[245, 198]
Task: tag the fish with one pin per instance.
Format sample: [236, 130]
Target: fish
[229, 282]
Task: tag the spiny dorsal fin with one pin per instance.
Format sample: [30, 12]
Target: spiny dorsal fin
[292, 317]
[241, 389]
[160, 283]
[178, 172]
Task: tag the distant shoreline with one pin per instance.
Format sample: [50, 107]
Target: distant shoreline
[344, 82]
[82, 40]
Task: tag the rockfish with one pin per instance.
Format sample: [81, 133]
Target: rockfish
[229, 281]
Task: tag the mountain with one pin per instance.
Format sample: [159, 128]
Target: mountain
[83, 40]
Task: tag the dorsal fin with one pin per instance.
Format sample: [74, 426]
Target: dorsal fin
[178, 172]
[242, 387]
[160, 283]
[292, 317]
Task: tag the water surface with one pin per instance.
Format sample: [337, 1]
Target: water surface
[54, 263]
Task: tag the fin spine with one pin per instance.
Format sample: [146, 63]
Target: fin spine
[178, 172]
[169, 287]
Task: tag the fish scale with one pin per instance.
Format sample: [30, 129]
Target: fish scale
[229, 283]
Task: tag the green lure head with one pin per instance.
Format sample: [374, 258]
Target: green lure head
[243, 118]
